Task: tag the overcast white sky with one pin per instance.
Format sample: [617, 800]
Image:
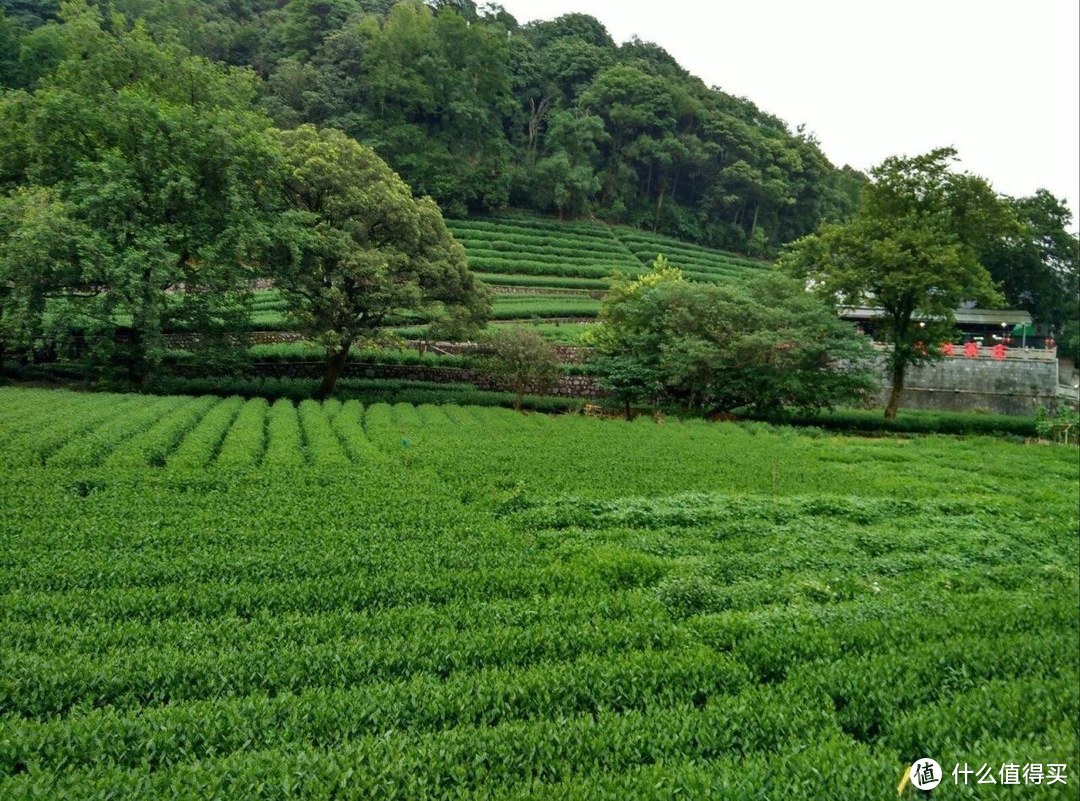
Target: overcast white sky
[999, 81]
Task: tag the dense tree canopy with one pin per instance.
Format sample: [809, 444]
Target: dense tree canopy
[140, 184]
[913, 251]
[1038, 267]
[355, 246]
[135, 196]
[480, 112]
[766, 346]
[142, 191]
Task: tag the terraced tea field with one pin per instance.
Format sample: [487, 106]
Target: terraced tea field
[218, 598]
[542, 250]
[557, 268]
[698, 263]
[533, 251]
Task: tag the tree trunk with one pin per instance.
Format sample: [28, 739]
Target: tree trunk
[519, 399]
[627, 409]
[335, 362]
[659, 207]
[140, 325]
[897, 390]
[537, 113]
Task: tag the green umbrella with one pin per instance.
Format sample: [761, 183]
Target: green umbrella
[1024, 330]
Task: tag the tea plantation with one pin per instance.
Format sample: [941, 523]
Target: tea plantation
[220, 598]
[556, 270]
[526, 250]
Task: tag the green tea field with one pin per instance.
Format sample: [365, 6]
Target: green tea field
[527, 250]
[219, 598]
[550, 259]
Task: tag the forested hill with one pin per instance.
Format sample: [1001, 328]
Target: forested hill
[481, 112]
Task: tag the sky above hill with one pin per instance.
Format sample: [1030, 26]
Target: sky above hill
[998, 81]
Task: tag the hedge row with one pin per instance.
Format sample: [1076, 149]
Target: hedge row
[521, 266]
[920, 422]
[554, 247]
[496, 279]
[366, 390]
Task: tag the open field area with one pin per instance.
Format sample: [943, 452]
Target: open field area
[205, 597]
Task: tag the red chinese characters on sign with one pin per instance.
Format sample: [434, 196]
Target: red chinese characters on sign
[971, 350]
[998, 352]
[947, 349]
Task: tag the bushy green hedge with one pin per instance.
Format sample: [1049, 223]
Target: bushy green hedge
[558, 248]
[637, 239]
[348, 600]
[497, 279]
[577, 242]
[568, 269]
[921, 422]
[366, 390]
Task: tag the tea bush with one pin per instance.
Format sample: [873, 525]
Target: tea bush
[222, 598]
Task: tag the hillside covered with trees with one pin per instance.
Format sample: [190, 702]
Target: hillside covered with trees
[152, 174]
[481, 112]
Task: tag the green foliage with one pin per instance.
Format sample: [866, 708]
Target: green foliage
[285, 444]
[366, 390]
[356, 247]
[523, 307]
[764, 347]
[533, 246]
[480, 112]
[1062, 427]
[1038, 267]
[135, 189]
[524, 606]
[519, 250]
[919, 422]
[522, 361]
[201, 444]
[913, 250]
[628, 379]
[584, 284]
[245, 442]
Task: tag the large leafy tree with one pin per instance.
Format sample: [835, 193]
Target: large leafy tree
[355, 247]
[1038, 268]
[766, 345]
[426, 88]
[912, 250]
[136, 174]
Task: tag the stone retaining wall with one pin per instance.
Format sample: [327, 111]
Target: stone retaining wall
[1020, 384]
[569, 386]
[1014, 386]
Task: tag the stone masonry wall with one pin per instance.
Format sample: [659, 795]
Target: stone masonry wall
[1013, 386]
[1020, 384]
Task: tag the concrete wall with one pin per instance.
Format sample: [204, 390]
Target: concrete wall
[1012, 386]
